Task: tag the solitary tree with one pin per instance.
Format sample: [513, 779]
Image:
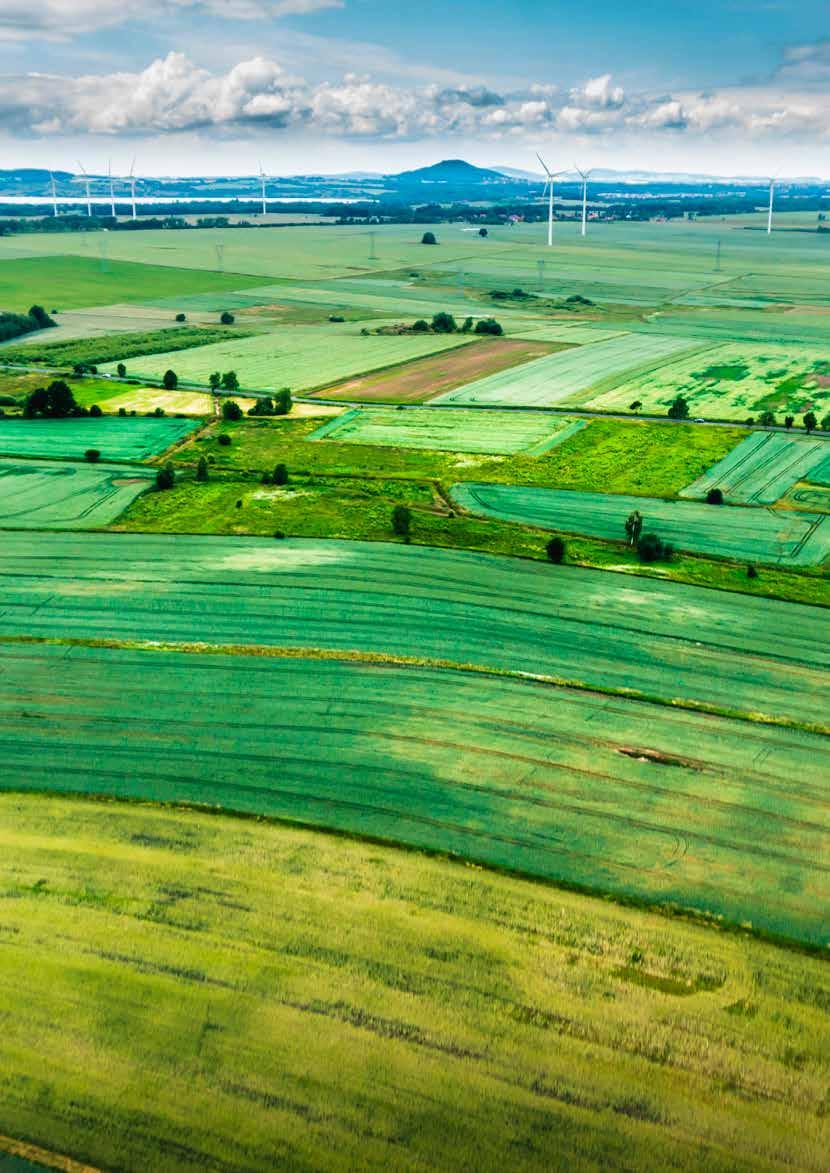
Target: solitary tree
[230, 381]
[226, 318]
[202, 469]
[488, 326]
[170, 380]
[40, 316]
[121, 370]
[789, 420]
[651, 548]
[282, 401]
[402, 521]
[679, 409]
[482, 231]
[767, 419]
[421, 326]
[556, 550]
[165, 477]
[280, 475]
[714, 497]
[231, 410]
[92, 455]
[181, 317]
[215, 381]
[825, 423]
[95, 410]
[635, 406]
[634, 527]
[428, 238]
[466, 325]
[810, 421]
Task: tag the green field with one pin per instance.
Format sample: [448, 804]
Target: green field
[763, 467]
[103, 348]
[69, 282]
[452, 431]
[323, 1004]
[569, 376]
[783, 537]
[299, 357]
[115, 438]
[735, 380]
[52, 495]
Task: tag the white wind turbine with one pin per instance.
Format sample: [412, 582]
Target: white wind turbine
[112, 189]
[584, 175]
[262, 178]
[131, 181]
[551, 175]
[54, 194]
[86, 186]
[771, 205]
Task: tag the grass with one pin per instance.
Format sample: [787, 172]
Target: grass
[499, 432]
[299, 357]
[751, 535]
[69, 282]
[115, 439]
[55, 495]
[108, 348]
[325, 1004]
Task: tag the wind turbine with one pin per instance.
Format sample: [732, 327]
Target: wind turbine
[551, 175]
[262, 185]
[131, 181]
[584, 175]
[771, 204]
[112, 189]
[86, 186]
[54, 194]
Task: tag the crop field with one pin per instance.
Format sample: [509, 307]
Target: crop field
[763, 467]
[51, 495]
[70, 282]
[299, 357]
[567, 378]
[451, 430]
[762, 535]
[424, 378]
[731, 381]
[655, 804]
[606, 631]
[449, 986]
[116, 439]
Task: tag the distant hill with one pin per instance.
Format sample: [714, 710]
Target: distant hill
[451, 172]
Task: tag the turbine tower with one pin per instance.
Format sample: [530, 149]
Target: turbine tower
[86, 186]
[771, 204]
[262, 178]
[551, 175]
[54, 194]
[131, 181]
[112, 189]
[584, 175]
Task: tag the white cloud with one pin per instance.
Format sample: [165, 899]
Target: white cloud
[59, 20]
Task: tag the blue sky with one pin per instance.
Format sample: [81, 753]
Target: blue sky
[207, 85]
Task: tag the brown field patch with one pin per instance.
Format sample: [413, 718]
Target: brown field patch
[424, 378]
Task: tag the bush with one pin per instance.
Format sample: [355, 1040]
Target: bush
[226, 318]
[810, 421]
[231, 410]
[402, 521]
[121, 370]
[767, 419]
[556, 550]
[92, 455]
[170, 380]
[635, 406]
[239, 503]
[336, 318]
[230, 382]
[224, 440]
[181, 317]
[488, 326]
[280, 475]
[421, 326]
[825, 423]
[279, 535]
[651, 548]
[428, 238]
[482, 231]
[202, 469]
[215, 381]
[679, 410]
[267, 479]
[95, 410]
[165, 477]
[122, 411]
[40, 317]
[443, 323]
[714, 497]
[789, 420]
[751, 571]
[467, 326]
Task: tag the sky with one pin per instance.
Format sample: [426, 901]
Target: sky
[189, 87]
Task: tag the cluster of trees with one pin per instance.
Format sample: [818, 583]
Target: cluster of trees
[53, 402]
[228, 381]
[649, 547]
[445, 323]
[679, 410]
[15, 325]
[278, 404]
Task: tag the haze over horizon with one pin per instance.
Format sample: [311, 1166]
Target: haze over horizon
[195, 87]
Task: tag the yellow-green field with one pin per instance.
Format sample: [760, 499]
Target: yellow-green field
[231, 995]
